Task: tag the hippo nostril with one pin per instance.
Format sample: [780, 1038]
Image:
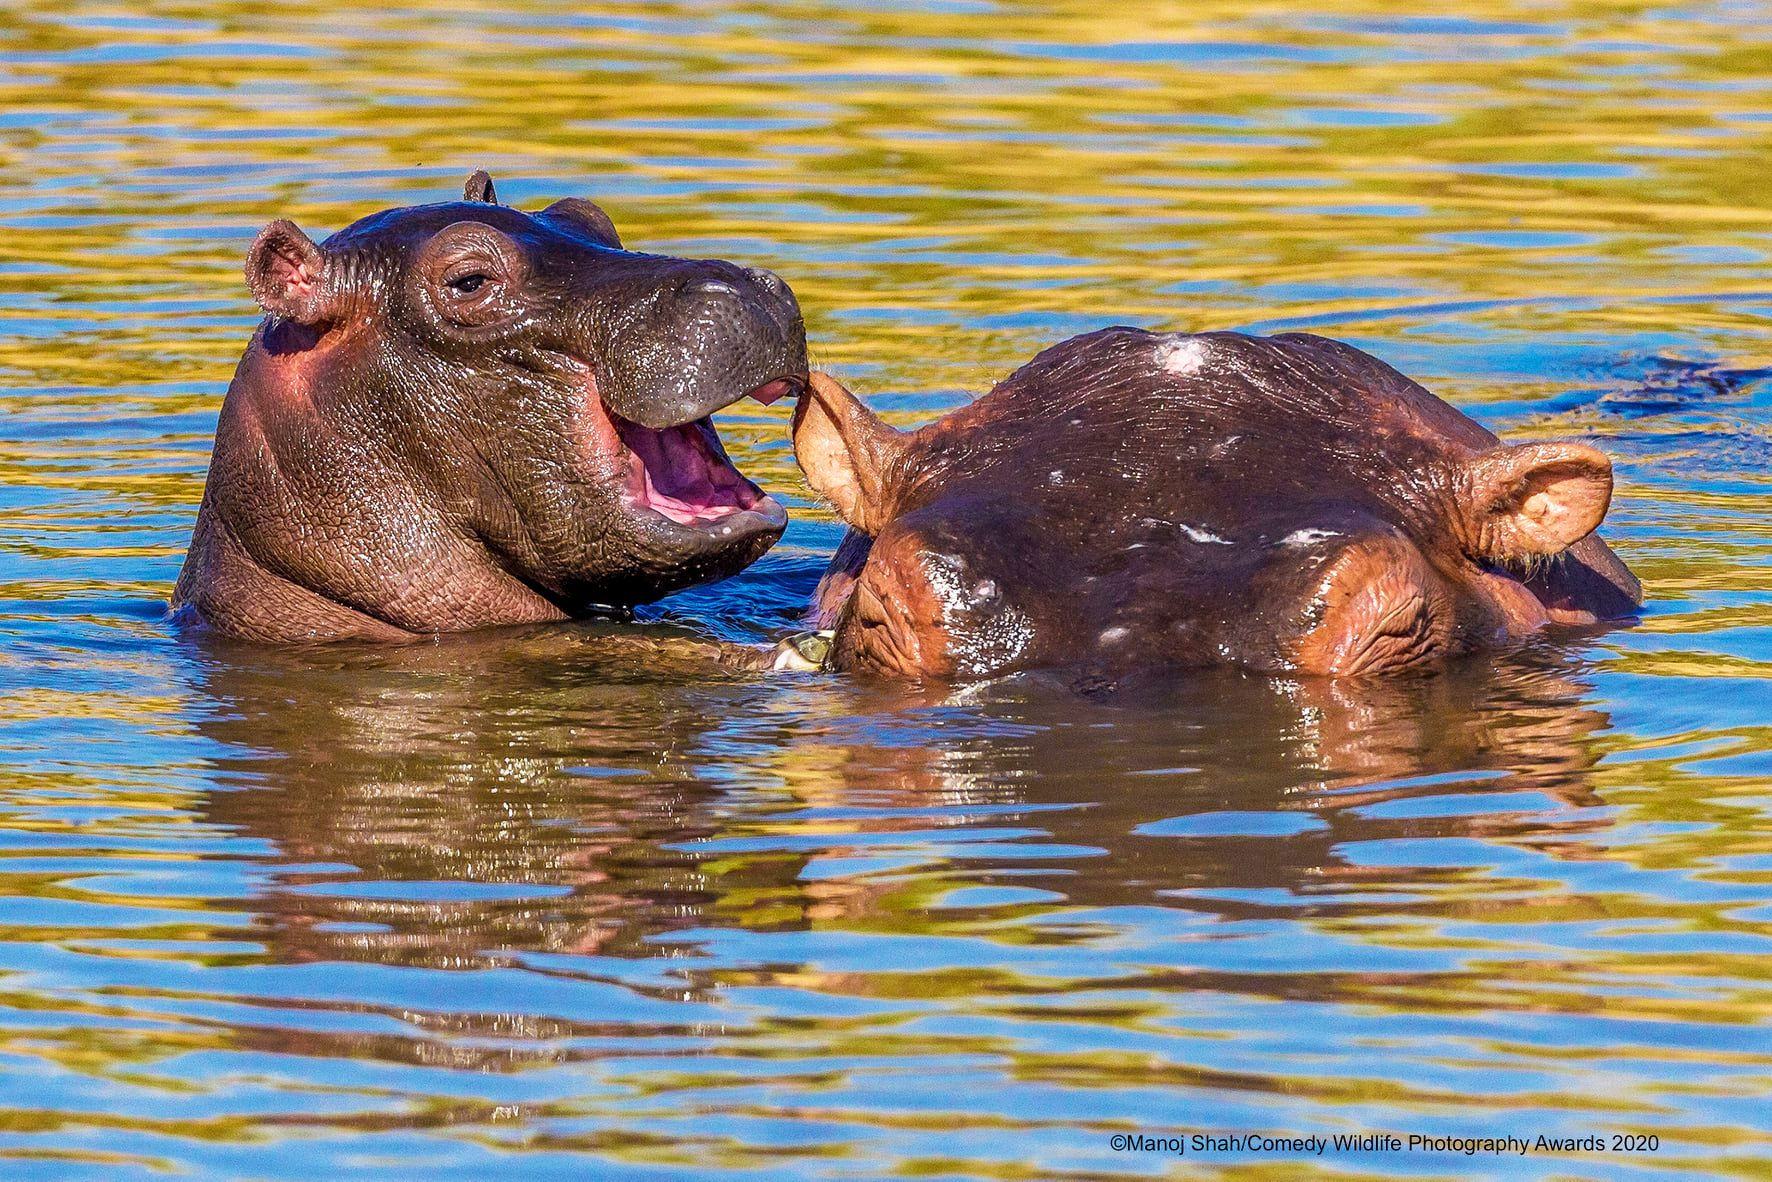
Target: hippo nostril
[768, 280]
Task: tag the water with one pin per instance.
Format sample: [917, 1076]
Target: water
[502, 906]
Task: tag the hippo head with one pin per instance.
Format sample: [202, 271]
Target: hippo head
[462, 414]
[1130, 499]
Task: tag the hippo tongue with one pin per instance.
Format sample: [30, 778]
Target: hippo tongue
[771, 391]
[681, 477]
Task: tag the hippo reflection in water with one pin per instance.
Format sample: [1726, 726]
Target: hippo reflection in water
[1133, 500]
[460, 415]
[545, 756]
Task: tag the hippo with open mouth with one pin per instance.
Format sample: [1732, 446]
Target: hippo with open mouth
[1133, 500]
[462, 415]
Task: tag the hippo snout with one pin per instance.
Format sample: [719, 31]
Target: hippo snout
[713, 333]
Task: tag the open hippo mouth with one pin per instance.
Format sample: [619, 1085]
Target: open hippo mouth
[683, 475]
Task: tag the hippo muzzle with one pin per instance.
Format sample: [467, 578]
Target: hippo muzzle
[696, 337]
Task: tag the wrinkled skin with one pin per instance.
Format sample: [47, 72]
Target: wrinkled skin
[1131, 500]
[462, 415]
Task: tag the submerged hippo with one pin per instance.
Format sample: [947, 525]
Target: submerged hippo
[1134, 500]
[461, 415]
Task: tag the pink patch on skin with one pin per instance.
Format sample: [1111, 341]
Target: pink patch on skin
[604, 441]
[291, 356]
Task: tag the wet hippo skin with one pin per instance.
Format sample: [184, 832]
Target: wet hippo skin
[461, 415]
[1131, 500]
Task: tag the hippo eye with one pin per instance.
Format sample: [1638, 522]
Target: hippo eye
[467, 284]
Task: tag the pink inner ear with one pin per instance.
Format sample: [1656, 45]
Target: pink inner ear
[293, 276]
[1566, 504]
[1538, 498]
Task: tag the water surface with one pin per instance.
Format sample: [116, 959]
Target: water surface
[504, 904]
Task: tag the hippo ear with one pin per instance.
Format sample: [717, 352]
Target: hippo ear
[587, 217]
[479, 189]
[849, 456]
[1536, 499]
[287, 273]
